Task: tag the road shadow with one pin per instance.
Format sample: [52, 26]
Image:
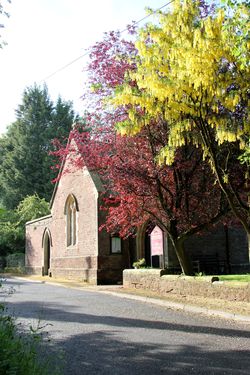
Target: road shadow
[54, 312]
[103, 353]
[105, 344]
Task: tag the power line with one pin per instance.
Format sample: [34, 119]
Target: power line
[149, 15]
[87, 53]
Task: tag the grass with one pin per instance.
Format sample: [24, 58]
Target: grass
[241, 278]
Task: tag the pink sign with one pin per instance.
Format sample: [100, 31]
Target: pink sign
[156, 241]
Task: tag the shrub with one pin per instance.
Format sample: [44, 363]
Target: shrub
[17, 354]
[16, 260]
[141, 263]
[2, 262]
[15, 263]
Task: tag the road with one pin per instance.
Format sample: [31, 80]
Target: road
[98, 333]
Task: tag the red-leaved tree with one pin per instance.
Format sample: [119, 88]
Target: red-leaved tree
[182, 198]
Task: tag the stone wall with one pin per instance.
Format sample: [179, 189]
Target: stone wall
[165, 285]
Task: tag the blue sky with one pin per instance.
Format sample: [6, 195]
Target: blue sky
[45, 35]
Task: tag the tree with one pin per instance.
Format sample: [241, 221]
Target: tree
[11, 239]
[25, 162]
[12, 223]
[31, 208]
[183, 197]
[5, 14]
[192, 71]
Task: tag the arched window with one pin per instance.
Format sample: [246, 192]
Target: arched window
[71, 216]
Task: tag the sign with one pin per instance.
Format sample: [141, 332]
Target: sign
[156, 241]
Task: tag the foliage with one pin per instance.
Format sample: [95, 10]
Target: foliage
[141, 263]
[156, 96]
[184, 197]
[19, 352]
[4, 14]
[15, 260]
[25, 162]
[188, 67]
[11, 235]
[32, 207]
[244, 158]
[16, 356]
[2, 262]
[192, 71]
[12, 223]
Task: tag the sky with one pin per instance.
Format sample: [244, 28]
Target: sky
[45, 35]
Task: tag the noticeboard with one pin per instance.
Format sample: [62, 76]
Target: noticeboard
[156, 241]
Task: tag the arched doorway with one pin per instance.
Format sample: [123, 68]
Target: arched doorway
[143, 246]
[46, 243]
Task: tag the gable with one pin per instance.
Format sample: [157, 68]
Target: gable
[76, 176]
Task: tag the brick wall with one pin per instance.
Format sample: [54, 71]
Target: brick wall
[222, 250]
[34, 254]
[79, 260]
[90, 258]
[110, 266]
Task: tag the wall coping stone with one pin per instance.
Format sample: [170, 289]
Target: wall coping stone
[148, 271]
[203, 279]
[39, 219]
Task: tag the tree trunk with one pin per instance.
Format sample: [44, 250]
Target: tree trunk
[184, 259]
[240, 211]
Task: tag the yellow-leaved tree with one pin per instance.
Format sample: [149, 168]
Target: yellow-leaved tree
[192, 72]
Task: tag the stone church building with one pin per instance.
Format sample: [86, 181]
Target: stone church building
[68, 243]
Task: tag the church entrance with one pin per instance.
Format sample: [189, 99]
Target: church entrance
[46, 249]
[151, 260]
[153, 246]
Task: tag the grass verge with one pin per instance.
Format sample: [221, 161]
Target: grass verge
[240, 278]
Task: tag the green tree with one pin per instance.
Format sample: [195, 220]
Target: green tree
[31, 208]
[12, 223]
[4, 14]
[11, 239]
[25, 160]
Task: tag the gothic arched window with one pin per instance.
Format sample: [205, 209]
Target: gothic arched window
[71, 216]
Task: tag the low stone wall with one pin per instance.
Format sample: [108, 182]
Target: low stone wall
[155, 280]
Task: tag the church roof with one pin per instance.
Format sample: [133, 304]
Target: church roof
[94, 176]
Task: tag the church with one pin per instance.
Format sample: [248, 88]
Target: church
[68, 243]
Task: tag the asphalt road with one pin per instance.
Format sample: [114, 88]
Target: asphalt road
[96, 333]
